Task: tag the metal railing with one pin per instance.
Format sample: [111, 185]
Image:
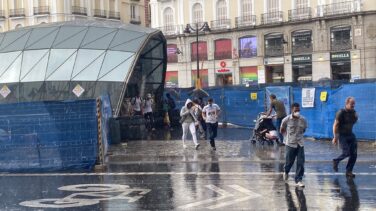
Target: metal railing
[100, 13]
[45, 10]
[338, 45]
[135, 20]
[300, 14]
[274, 51]
[2, 14]
[302, 48]
[223, 55]
[79, 10]
[220, 24]
[338, 8]
[272, 18]
[245, 21]
[201, 56]
[114, 15]
[17, 12]
[171, 30]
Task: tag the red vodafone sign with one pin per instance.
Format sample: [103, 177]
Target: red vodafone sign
[223, 68]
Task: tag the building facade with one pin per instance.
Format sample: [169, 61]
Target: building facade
[21, 13]
[267, 41]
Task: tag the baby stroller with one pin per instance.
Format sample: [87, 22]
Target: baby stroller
[264, 130]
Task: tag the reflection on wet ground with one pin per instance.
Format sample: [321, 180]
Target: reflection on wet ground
[159, 174]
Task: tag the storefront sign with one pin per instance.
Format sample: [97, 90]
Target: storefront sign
[302, 59]
[340, 56]
[223, 71]
[274, 60]
[249, 75]
[308, 97]
[261, 74]
[172, 79]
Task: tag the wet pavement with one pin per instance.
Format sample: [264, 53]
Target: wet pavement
[158, 174]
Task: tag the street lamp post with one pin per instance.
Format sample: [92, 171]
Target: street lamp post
[188, 29]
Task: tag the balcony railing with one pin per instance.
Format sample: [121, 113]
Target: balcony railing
[17, 12]
[339, 45]
[339, 8]
[274, 51]
[79, 10]
[42, 10]
[245, 21]
[135, 20]
[272, 18]
[100, 13]
[223, 55]
[114, 15]
[2, 14]
[220, 24]
[201, 56]
[171, 30]
[300, 14]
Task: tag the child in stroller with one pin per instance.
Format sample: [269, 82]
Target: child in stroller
[264, 131]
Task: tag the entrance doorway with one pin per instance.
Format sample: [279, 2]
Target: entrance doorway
[224, 79]
[275, 74]
[341, 71]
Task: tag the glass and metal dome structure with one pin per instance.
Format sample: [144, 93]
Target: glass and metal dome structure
[81, 60]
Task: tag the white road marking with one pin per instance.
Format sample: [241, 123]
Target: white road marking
[224, 194]
[251, 195]
[177, 173]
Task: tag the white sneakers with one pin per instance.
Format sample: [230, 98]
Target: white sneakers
[285, 176]
[184, 146]
[300, 184]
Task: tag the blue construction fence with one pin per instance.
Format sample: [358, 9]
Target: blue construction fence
[240, 109]
[37, 136]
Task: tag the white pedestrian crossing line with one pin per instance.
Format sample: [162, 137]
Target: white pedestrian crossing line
[178, 173]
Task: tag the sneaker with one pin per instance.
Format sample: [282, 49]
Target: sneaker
[349, 174]
[335, 166]
[285, 176]
[153, 129]
[184, 146]
[213, 148]
[300, 184]
[197, 146]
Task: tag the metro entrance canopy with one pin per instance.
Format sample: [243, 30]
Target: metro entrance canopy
[81, 60]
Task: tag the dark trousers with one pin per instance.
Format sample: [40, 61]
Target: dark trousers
[212, 129]
[291, 154]
[349, 147]
[149, 119]
[278, 126]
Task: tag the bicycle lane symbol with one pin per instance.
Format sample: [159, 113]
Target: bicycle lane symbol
[89, 194]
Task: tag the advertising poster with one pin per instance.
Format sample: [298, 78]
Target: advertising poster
[249, 75]
[203, 77]
[261, 74]
[247, 47]
[308, 97]
[172, 79]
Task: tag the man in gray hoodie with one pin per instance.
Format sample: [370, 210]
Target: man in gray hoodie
[188, 120]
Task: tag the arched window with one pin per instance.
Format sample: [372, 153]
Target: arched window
[221, 10]
[301, 4]
[246, 8]
[301, 42]
[223, 49]
[168, 17]
[273, 6]
[340, 38]
[197, 13]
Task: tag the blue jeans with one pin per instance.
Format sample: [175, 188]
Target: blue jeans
[349, 147]
[212, 129]
[278, 126]
[291, 154]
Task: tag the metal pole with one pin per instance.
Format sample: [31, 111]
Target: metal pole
[198, 60]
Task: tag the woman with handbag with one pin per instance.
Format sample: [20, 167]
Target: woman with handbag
[187, 121]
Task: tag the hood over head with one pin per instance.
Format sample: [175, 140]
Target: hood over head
[188, 101]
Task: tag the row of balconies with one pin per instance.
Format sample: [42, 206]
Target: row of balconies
[45, 10]
[294, 15]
